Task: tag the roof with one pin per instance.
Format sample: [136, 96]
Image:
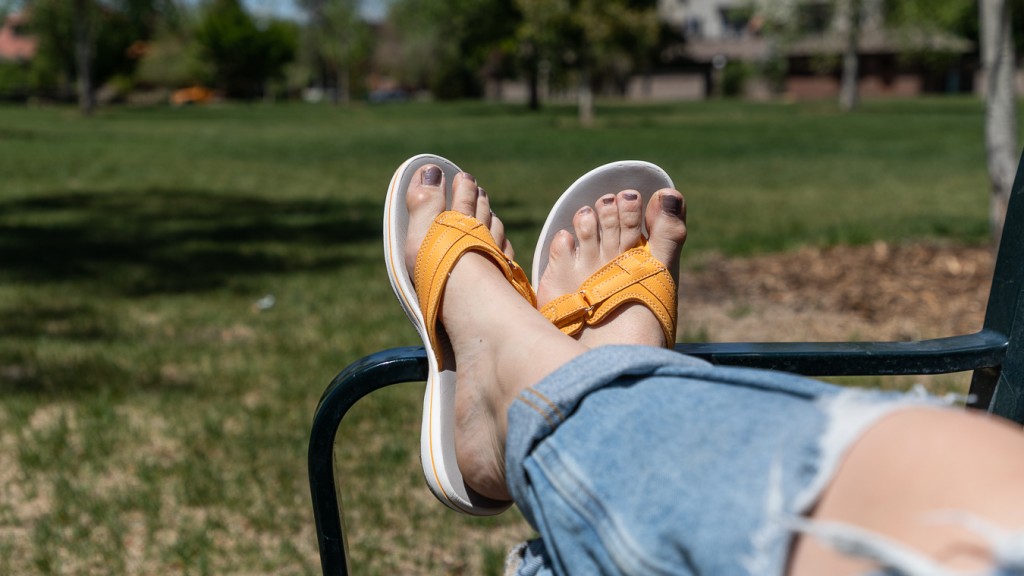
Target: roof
[15, 46]
[884, 42]
[893, 41]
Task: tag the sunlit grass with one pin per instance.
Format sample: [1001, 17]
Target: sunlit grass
[154, 419]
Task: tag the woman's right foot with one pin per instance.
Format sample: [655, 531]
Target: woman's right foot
[603, 232]
[501, 344]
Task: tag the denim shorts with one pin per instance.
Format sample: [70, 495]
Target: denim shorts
[635, 460]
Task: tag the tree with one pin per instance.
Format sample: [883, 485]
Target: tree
[850, 16]
[539, 36]
[446, 45]
[596, 39]
[84, 39]
[86, 42]
[336, 37]
[244, 56]
[998, 62]
[6, 8]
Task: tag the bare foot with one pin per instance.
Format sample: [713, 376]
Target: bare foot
[500, 343]
[604, 231]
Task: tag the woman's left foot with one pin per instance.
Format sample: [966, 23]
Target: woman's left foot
[603, 232]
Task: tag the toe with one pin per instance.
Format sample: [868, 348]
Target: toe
[483, 208]
[464, 194]
[425, 199]
[558, 277]
[563, 246]
[426, 191]
[666, 222]
[497, 228]
[608, 219]
[587, 237]
[630, 216]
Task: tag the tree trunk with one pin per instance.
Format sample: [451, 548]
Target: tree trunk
[533, 83]
[83, 56]
[997, 57]
[532, 77]
[848, 92]
[585, 98]
[344, 90]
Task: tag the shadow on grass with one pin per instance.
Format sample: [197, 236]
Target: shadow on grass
[66, 259]
[24, 373]
[172, 241]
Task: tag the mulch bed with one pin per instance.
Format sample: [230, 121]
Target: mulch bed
[875, 292]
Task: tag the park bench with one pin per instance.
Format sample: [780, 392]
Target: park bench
[995, 354]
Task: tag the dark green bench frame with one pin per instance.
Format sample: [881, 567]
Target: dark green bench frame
[995, 354]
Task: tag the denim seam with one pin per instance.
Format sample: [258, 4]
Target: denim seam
[546, 400]
[536, 409]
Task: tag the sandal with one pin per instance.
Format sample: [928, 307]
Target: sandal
[633, 276]
[450, 236]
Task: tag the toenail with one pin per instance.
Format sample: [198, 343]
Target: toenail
[481, 192]
[630, 195]
[671, 205]
[468, 176]
[585, 210]
[431, 176]
[607, 201]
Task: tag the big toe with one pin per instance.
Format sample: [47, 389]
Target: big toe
[425, 199]
[666, 224]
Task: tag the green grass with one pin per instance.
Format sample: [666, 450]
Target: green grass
[153, 420]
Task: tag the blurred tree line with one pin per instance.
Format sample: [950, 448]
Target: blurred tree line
[450, 48]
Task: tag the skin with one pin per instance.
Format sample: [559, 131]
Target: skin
[905, 467]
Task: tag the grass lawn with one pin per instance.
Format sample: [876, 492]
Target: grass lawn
[154, 419]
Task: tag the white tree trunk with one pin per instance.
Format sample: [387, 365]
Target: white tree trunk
[850, 25]
[998, 62]
[585, 99]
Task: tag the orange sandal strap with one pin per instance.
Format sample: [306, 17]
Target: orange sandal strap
[450, 236]
[634, 276]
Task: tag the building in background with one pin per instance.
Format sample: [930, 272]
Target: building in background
[795, 48]
[16, 44]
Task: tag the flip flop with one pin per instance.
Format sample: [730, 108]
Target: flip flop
[451, 235]
[634, 276]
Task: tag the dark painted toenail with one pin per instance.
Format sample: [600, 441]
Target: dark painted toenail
[630, 195]
[481, 192]
[607, 201]
[671, 205]
[585, 210]
[468, 176]
[431, 176]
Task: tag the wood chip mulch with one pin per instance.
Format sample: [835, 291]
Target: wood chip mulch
[876, 292]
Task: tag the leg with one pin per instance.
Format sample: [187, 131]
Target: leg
[909, 467]
[675, 457]
[501, 345]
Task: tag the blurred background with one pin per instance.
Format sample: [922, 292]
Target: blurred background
[190, 230]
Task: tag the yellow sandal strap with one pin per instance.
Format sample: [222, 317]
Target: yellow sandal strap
[634, 276]
[450, 236]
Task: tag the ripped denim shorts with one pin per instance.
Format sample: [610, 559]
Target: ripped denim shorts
[635, 460]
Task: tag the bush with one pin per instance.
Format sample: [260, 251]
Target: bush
[244, 56]
[173, 62]
[15, 80]
[734, 78]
